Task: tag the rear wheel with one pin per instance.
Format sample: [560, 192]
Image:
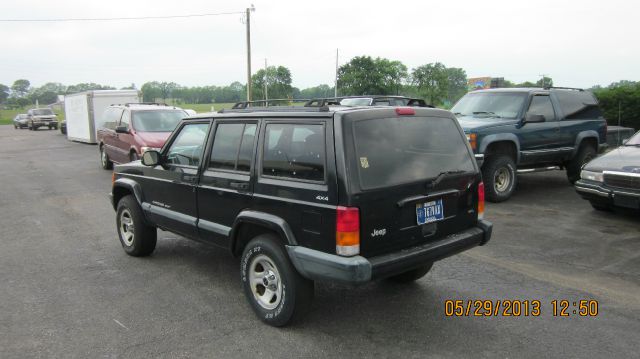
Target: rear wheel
[104, 159]
[412, 275]
[499, 176]
[277, 293]
[586, 153]
[137, 238]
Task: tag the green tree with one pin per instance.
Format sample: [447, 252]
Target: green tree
[4, 93]
[545, 82]
[278, 80]
[457, 84]
[621, 100]
[151, 91]
[48, 93]
[320, 91]
[364, 75]
[431, 82]
[81, 87]
[20, 88]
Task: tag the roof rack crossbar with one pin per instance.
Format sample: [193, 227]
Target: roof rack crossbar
[562, 88]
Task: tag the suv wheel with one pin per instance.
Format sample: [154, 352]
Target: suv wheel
[137, 238]
[104, 159]
[277, 293]
[412, 275]
[499, 177]
[585, 154]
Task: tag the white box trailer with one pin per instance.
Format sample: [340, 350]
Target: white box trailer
[83, 111]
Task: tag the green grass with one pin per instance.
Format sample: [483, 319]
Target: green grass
[6, 115]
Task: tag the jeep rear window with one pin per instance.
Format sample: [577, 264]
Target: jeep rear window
[394, 151]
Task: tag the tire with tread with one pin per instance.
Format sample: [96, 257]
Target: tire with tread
[144, 237]
[493, 167]
[412, 275]
[586, 153]
[297, 291]
[105, 162]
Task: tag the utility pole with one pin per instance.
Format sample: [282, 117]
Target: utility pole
[335, 87]
[249, 11]
[544, 76]
[266, 96]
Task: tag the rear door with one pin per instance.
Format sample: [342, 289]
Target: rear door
[225, 186]
[413, 179]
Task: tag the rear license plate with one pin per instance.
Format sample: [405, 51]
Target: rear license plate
[429, 212]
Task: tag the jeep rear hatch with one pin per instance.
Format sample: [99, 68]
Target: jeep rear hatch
[412, 178]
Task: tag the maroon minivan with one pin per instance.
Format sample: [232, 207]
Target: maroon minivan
[131, 129]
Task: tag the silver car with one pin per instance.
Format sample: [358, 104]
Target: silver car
[21, 121]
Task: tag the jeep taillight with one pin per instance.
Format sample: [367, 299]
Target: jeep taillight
[481, 200]
[347, 231]
[113, 178]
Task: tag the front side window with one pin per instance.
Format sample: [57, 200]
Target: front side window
[233, 146]
[541, 105]
[295, 151]
[187, 148]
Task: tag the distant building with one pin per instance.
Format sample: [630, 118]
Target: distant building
[479, 83]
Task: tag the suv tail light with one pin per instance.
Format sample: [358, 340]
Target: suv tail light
[405, 111]
[347, 231]
[113, 178]
[481, 200]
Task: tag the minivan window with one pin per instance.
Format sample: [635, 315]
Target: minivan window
[157, 121]
[394, 151]
[295, 151]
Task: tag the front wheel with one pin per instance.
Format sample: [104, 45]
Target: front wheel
[585, 154]
[277, 293]
[105, 162]
[412, 275]
[137, 238]
[499, 176]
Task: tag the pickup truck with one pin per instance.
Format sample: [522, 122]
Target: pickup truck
[518, 130]
[132, 129]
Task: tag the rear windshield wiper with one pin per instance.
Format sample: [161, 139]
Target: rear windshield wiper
[491, 114]
[442, 175]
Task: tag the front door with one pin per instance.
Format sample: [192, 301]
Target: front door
[172, 204]
[225, 186]
[539, 142]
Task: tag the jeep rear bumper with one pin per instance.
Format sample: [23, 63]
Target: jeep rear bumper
[318, 265]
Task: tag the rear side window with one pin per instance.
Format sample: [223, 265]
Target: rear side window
[233, 146]
[394, 151]
[578, 105]
[295, 151]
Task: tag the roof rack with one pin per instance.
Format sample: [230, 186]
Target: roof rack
[145, 103]
[274, 109]
[335, 101]
[562, 88]
[265, 103]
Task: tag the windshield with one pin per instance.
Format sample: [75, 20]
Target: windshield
[363, 101]
[42, 112]
[634, 140]
[393, 151]
[490, 104]
[157, 121]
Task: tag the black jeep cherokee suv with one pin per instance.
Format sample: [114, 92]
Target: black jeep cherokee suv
[301, 194]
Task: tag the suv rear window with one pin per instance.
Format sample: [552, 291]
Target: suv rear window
[294, 151]
[394, 151]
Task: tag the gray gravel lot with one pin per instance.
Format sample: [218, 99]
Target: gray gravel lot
[68, 290]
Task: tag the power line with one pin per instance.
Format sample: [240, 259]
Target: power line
[123, 18]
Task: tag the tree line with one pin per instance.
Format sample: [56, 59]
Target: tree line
[438, 84]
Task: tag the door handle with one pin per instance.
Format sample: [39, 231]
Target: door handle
[239, 185]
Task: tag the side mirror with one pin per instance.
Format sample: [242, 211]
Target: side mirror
[534, 118]
[122, 129]
[151, 158]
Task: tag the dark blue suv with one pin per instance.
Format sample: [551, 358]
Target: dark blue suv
[515, 130]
